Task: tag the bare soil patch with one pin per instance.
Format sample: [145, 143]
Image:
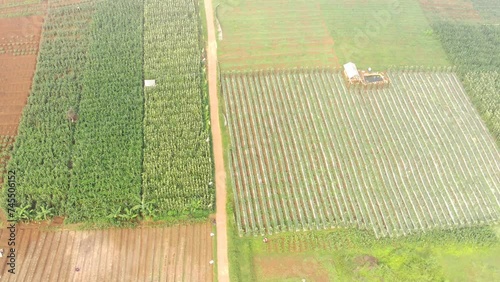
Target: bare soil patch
[19, 41]
[291, 267]
[111, 255]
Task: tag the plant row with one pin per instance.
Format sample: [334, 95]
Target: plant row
[308, 153]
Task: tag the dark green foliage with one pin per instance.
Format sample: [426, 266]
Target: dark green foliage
[42, 149]
[107, 157]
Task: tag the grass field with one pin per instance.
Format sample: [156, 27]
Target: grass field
[293, 33]
[350, 255]
[307, 153]
[380, 33]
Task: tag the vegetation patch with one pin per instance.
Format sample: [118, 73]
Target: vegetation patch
[463, 254]
[107, 158]
[178, 168]
[43, 147]
[474, 49]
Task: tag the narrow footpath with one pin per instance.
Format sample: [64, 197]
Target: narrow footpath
[220, 173]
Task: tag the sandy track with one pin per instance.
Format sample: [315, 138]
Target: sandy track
[220, 174]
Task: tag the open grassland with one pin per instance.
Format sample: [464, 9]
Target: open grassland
[294, 33]
[274, 33]
[178, 168]
[177, 253]
[475, 50]
[308, 153]
[469, 254]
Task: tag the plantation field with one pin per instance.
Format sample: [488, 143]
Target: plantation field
[470, 254]
[293, 33]
[308, 153]
[178, 169]
[177, 253]
[475, 50]
[94, 145]
[45, 138]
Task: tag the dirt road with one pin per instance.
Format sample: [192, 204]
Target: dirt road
[220, 174]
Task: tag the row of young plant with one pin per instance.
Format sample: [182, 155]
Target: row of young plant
[107, 156]
[340, 157]
[42, 150]
[177, 177]
[475, 50]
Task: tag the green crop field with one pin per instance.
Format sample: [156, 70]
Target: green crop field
[308, 153]
[45, 139]
[107, 157]
[178, 165]
[93, 144]
[294, 33]
[473, 48]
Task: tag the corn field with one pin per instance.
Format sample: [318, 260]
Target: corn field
[178, 167]
[107, 156]
[42, 149]
[309, 153]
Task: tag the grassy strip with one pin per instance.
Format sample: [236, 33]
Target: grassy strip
[106, 174]
[345, 255]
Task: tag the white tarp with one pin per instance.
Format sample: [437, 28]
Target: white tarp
[351, 70]
[149, 83]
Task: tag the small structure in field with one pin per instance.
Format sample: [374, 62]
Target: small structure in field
[365, 78]
[351, 73]
[150, 83]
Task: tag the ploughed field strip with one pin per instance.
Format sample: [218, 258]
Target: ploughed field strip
[178, 253]
[308, 153]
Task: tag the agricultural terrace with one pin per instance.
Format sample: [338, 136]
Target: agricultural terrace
[474, 49]
[42, 153]
[178, 168]
[293, 33]
[308, 153]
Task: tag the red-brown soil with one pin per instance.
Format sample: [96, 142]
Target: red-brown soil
[297, 268]
[179, 253]
[19, 40]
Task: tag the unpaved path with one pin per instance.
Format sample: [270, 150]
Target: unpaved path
[220, 173]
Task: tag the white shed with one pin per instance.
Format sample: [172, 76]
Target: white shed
[149, 83]
[351, 71]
